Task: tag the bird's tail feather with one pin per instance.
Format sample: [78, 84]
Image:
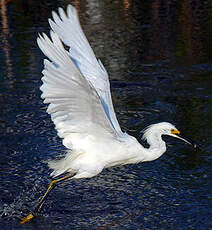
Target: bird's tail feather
[64, 164]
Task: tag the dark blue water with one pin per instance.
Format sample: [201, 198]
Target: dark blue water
[158, 55]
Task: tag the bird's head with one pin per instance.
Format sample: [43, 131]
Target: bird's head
[162, 128]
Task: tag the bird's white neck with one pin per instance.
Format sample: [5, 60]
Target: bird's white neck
[156, 146]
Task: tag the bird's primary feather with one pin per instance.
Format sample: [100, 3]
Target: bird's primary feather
[66, 25]
[75, 106]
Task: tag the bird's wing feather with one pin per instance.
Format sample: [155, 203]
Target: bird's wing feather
[74, 104]
[68, 28]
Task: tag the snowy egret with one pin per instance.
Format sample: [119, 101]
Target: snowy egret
[76, 87]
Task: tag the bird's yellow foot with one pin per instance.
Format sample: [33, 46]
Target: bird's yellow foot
[27, 218]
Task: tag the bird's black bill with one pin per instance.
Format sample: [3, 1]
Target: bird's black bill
[187, 140]
[194, 144]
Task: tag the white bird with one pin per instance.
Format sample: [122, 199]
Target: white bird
[76, 87]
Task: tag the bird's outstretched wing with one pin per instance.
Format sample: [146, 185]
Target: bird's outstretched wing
[67, 27]
[74, 105]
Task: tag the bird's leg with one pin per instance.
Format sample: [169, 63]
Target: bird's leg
[51, 186]
[40, 204]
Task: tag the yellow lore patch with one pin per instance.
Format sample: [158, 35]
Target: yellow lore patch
[175, 131]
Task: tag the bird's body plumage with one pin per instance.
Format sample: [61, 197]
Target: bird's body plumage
[91, 153]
